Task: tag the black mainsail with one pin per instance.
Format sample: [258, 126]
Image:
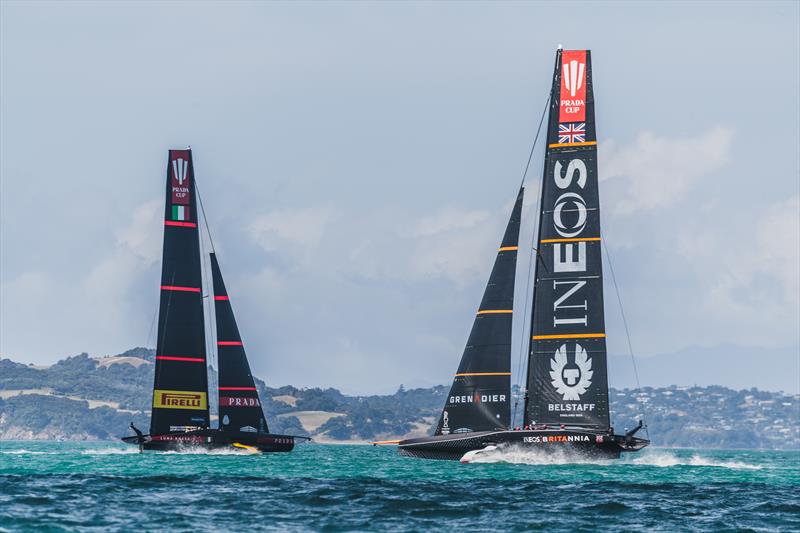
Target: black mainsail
[180, 391]
[567, 376]
[566, 401]
[239, 404]
[481, 391]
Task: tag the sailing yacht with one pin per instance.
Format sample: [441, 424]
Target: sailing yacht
[566, 403]
[180, 414]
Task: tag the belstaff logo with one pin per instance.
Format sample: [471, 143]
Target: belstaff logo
[445, 422]
[179, 167]
[573, 76]
[571, 379]
[179, 399]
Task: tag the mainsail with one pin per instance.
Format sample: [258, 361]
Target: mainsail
[239, 405]
[180, 395]
[480, 396]
[567, 376]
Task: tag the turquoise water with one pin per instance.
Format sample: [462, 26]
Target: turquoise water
[107, 486]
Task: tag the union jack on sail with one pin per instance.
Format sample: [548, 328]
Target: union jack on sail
[572, 132]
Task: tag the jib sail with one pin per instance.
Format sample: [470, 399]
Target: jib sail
[567, 376]
[180, 395]
[239, 404]
[480, 396]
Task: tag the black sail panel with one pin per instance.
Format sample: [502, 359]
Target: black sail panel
[180, 395]
[239, 404]
[567, 374]
[480, 396]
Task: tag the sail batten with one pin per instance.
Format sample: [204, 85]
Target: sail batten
[567, 374]
[480, 395]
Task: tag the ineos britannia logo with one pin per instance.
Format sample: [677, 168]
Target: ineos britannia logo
[179, 168]
[573, 76]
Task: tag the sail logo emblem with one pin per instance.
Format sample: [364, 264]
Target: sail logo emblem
[572, 105]
[571, 379]
[179, 399]
[445, 422]
[573, 76]
[179, 167]
[180, 183]
[578, 214]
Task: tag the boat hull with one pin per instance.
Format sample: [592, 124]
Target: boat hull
[213, 439]
[583, 443]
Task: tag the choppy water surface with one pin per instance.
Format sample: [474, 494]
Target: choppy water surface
[99, 486]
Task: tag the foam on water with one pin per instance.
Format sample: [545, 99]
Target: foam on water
[111, 451]
[526, 456]
[667, 459]
[26, 452]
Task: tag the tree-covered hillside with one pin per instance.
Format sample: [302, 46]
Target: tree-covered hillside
[86, 398]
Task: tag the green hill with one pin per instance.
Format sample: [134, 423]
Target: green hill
[89, 398]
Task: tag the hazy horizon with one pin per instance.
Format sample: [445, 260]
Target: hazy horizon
[358, 162]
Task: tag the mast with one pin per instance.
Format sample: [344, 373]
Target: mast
[239, 404]
[567, 369]
[180, 388]
[480, 396]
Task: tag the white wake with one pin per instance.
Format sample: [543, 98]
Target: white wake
[522, 456]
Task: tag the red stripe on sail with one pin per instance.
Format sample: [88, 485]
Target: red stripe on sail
[237, 388]
[177, 288]
[180, 224]
[185, 359]
[229, 343]
[221, 298]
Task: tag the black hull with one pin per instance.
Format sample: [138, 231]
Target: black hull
[583, 443]
[213, 439]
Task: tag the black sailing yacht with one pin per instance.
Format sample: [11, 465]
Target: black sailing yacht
[180, 415]
[566, 403]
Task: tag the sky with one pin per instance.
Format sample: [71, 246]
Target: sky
[358, 162]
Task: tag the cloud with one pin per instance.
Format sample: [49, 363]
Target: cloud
[748, 281]
[296, 233]
[659, 171]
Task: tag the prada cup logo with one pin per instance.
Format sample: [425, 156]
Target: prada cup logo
[573, 76]
[571, 380]
[179, 167]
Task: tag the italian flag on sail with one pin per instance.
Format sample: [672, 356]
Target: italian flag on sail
[180, 212]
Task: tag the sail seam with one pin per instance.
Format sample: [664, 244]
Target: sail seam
[176, 358]
[229, 343]
[483, 374]
[575, 239]
[179, 288]
[570, 336]
[565, 145]
[180, 224]
[508, 249]
[495, 312]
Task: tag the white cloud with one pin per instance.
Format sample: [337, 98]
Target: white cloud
[296, 233]
[659, 171]
[749, 282]
[449, 219]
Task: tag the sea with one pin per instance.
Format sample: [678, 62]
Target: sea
[92, 486]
